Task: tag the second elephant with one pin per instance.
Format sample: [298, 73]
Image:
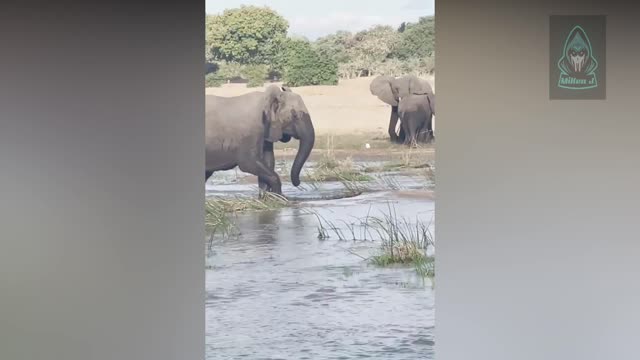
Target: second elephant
[392, 91]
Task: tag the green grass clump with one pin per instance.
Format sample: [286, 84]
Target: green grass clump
[328, 168]
[425, 267]
[402, 242]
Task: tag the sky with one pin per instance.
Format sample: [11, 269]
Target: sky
[316, 18]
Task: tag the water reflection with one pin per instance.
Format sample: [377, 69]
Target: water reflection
[277, 292]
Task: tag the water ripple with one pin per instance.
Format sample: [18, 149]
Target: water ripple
[277, 292]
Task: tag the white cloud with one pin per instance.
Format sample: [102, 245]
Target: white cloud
[423, 5]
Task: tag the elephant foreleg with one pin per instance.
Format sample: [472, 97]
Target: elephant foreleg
[269, 161]
[393, 122]
[258, 168]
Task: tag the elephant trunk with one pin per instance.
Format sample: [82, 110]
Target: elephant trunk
[307, 136]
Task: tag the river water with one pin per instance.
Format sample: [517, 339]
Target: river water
[277, 291]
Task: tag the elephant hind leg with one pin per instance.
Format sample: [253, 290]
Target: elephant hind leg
[424, 135]
[411, 141]
[264, 174]
[410, 136]
[430, 137]
[402, 137]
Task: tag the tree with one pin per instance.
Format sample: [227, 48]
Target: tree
[338, 46]
[290, 46]
[247, 35]
[213, 29]
[305, 66]
[417, 39]
[255, 74]
[374, 46]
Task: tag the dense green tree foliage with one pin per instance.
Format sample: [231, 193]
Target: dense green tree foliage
[338, 46]
[251, 42]
[417, 40]
[306, 66]
[246, 35]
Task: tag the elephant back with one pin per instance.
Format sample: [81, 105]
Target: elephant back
[419, 86]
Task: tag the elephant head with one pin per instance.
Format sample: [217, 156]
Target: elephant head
[285, 117]
[390, 90]
[381, 87]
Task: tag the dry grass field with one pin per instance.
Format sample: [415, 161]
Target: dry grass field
[346, 118]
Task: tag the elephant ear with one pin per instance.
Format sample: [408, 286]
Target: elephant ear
[272, 102]
[285, 88]
[381, 87]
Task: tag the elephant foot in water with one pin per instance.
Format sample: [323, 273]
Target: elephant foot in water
[264, 190]
[265, 175]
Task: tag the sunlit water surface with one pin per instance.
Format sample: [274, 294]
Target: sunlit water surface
[278, 292]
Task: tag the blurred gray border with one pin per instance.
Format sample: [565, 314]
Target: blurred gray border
[101, 153]
[537, 200]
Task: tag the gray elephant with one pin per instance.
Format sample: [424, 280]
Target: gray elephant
[241, 130]
[419, 106]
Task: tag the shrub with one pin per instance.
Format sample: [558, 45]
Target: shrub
[213, 80]
[305, 66]
[230, 70]
[255, 74]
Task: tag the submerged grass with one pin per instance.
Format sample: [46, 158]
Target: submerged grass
[236, 204]
[329, 168]
[430, 176]
[408, 160]
[219, 210]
